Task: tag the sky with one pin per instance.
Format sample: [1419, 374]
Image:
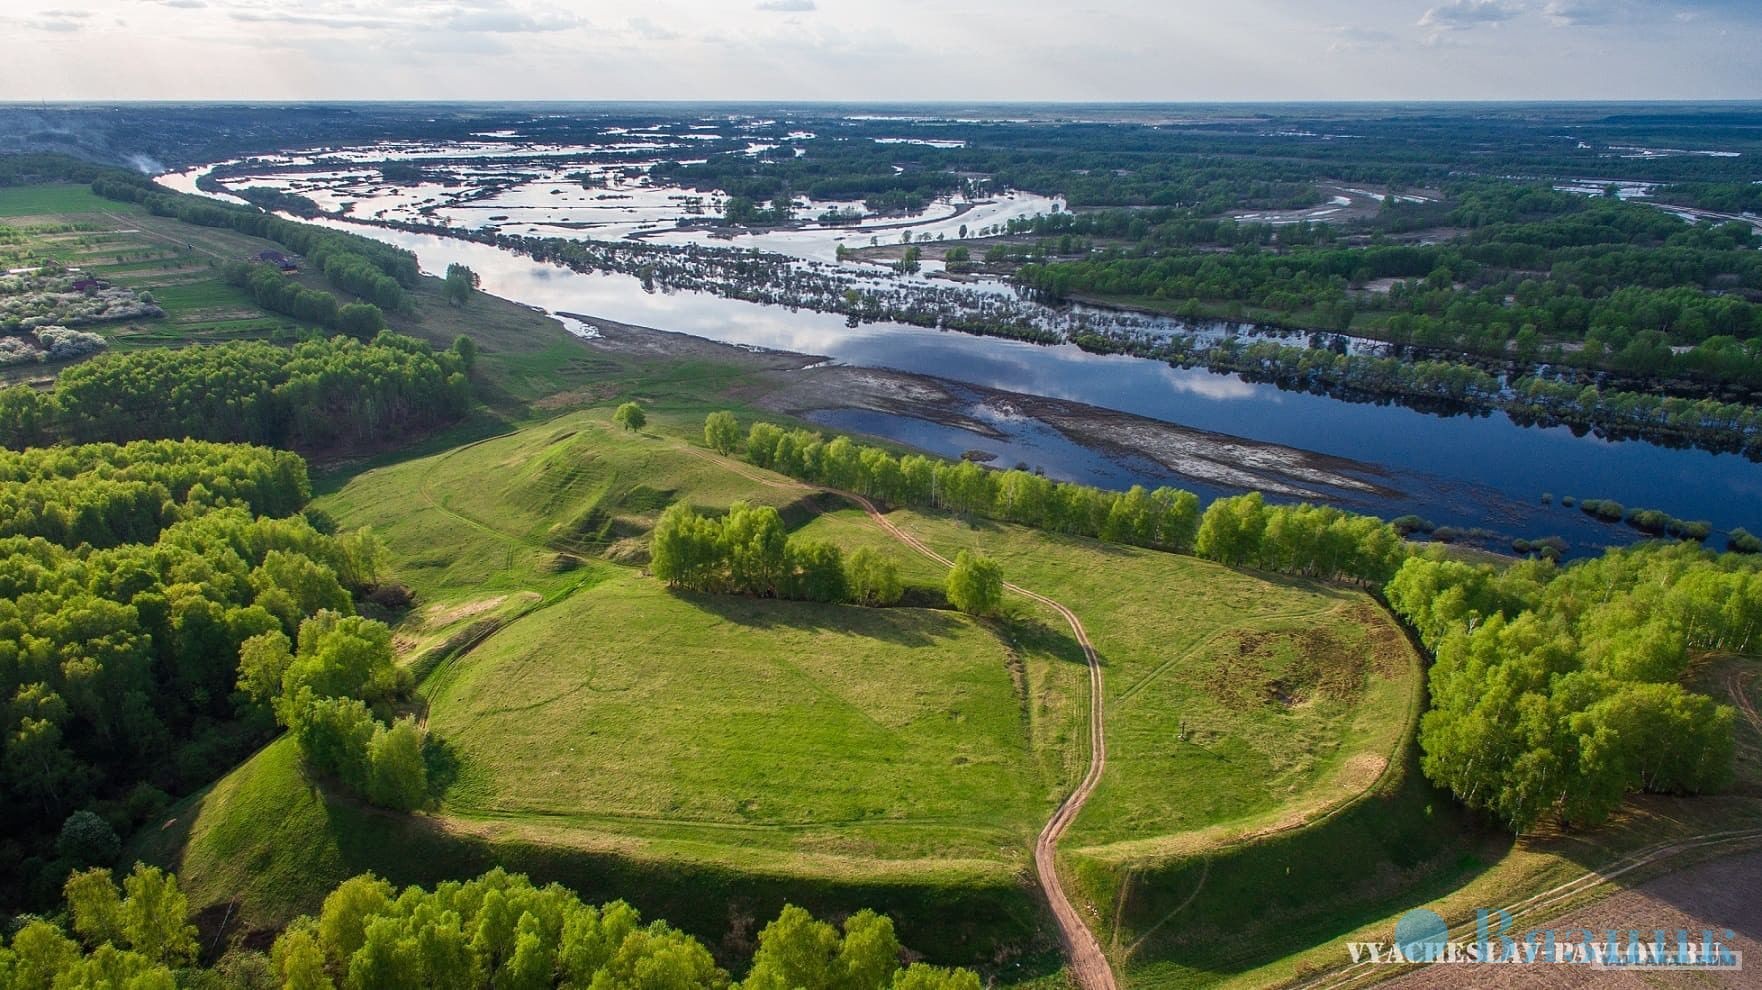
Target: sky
[881, 50]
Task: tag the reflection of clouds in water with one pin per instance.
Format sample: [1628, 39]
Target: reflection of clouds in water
[1224, 388]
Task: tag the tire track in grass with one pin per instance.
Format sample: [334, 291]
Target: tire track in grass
[1088, 962]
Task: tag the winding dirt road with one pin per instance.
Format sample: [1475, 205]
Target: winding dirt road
[1088, 963]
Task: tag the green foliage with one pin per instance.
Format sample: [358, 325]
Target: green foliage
[87, 840]
[317, 394]
[1314, 541]
[397, 777]
[1625, 279]
[630, 416]
[1741, 540]
[501, 930]
[975, 584]
[149, 920]
[745, 552]
[466, 349]
[133, 575]
[341, 664]
[722, 432]
[813, 571]
[1557, 691]
[1310, 540]
[460, 283]
[872, 577]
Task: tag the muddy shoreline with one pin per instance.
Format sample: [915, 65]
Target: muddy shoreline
[801, 385]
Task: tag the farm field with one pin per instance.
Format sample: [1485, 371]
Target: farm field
[178, 264]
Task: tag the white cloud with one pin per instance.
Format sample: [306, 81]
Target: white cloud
[648, 30]
[970, 50]
[1458, 15]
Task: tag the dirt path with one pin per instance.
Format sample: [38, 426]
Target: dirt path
[1088, 963]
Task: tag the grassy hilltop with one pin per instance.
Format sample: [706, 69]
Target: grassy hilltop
[605, 728]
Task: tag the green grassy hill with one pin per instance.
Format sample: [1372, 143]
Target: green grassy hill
[606, 730]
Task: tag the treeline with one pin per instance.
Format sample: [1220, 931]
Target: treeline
[274, 291]
[1725, 197]
[279, 201]
[101, 495]
[369, 269]
[1430, 385]
[1313, 541]
[1556, 691]
[498, 930]
[314, 395]
[129, 579]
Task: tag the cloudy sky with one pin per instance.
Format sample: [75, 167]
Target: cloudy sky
[1148, 50]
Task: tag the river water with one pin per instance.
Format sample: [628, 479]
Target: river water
[1475, 471]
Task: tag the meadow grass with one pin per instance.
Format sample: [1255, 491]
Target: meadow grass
[1229, 694]
[818, 730]
[56, 198]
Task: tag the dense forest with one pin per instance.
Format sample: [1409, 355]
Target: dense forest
[132, 576]
[1557, 691]
[498, 930]
[317, 394]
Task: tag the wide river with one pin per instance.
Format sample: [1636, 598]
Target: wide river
[1469, 471]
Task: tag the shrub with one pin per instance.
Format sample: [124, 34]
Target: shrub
[872, 577]
[87, 840]
[630, 416]
[975, 584]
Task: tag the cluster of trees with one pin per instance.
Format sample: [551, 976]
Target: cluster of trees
[1314, 541]
[1726, 197]
[325, 688]
[1166, 518]
[1317, 541]
[1557, 691]
[279, 201]
[459, 285]
[103, 495]
[272, 290]
[1705, 422]
[749, 551]
[130, 578]
[139, 937]
[498, 930]
[317, 394]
